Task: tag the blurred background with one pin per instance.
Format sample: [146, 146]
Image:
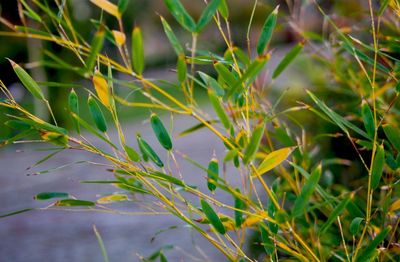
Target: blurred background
[68, 236]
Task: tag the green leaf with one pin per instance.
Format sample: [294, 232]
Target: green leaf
[250, 74]
[219, 110]
[27, 81]
[40, 124]
[148, 151]
[50, 195]
[355, 225]
[112, 198]
[334, 214]
[267, 30]
[161, 132]
[368, 119]
[225, 74]
[212, 217]
[181, 15]
[266, 241]
[137, 51]
[73, 106]
[122, 6]
[207, 14]
[212, 83]
[132, 154]
[74, 202]
[287, 59]
[181, 68]
[172, 38]
[366, 253]
[393, 135]
[377, 167]
[223, 9]
[97, 114]
[212, 174]
[383, 7]
[300, 205]
[195, 128]
[29, 12]
[239, 204]
[95, 48]
[254, 143]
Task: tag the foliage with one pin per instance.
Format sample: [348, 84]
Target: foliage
[286, 198]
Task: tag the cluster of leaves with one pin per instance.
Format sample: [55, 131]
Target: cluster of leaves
[305, 215]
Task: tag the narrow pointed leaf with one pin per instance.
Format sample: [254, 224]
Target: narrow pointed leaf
[266, 241]
[172, 38]
[149, 152]
[300, 205]
[239, 204]
[393, 135]
[181, 69]
[27, 81]
[225, 74]
[213, 84]
[355, 225]
[108, 7]
[223, 9]
[50, 195]
[366, 253]
[287, 59]
[161, 132]
[132, 154]
[16, 212]
[219, 110]
[267, 30]
[74, 202]
[102, 89]
[212, 174]
[122, 6]
[212, 217]
[334, 214]
[207, 14]
[97, 114]
[368, 119]
[254, 143]
[95, 48]
[377, 167]
[274, 159]
[181, 15]
[137, 51]
[73, 106]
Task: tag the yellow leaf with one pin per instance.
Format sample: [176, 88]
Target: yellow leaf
[108, 7]
[395, 205]
[102, 90]
[119, 37]
[274, 159]
[112, 198]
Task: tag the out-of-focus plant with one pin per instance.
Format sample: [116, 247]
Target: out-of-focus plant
[303, 214]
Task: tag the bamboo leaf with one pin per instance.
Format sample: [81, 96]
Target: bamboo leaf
[95, 48]
[55, 138]
[161, 132]
[212, 174]
[368, 119]
[393, 135]
[267, 30]
[212, 217]
[148, 151]
[254, 143]
[132, 154]
[112, 198]
[119, 37]
[122, 6]
[16, 212]
[29, 12]
[207, 14]
[287, 59]
[97, 114]
[355, 225]
[274, 159]
[300, 205]
[266, 241]
[74, 202]
[395, 206]
[137, 51]
[223, 9]
[181, 68]
[219, 110]
[73, 106]
[108, 7]
[377, 167]
[40, 124]
[334, 214]
[50, 195]
[172, 38]
[27, 81]
[225, 74]
[371, 247]
[181, 15]
[195, 128]
[239, 205]
[102, 88]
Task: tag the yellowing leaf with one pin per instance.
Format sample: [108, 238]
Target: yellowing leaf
[108, 7]
[102, 90]
[274, 159]
[119, 37]
[112, 198]
[395, 206]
